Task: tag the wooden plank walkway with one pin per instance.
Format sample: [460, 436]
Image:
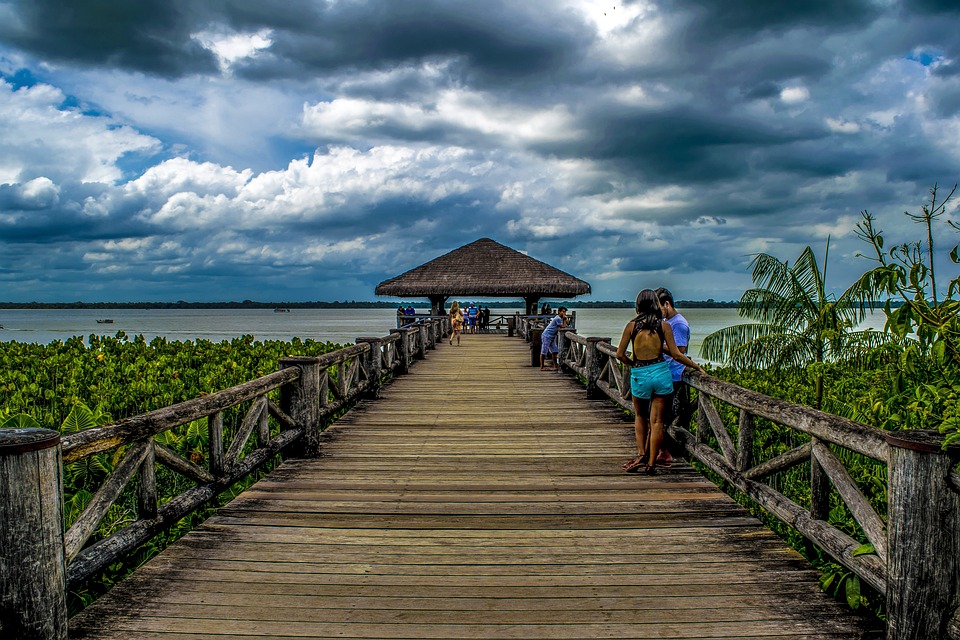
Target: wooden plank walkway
[479, 498]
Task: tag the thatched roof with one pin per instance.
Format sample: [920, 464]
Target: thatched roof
[483, 268]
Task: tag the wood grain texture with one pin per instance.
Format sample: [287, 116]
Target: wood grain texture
[477, 498]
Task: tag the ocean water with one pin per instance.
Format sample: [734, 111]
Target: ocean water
[340, 326]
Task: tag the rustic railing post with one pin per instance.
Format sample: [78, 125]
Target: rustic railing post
[421, 342]
[32, 576]
[593, 363]
[373, 363]
[923, 537]
[819, 496]
[404, 354]
[431, 330]
[563, 344]
[301, 401]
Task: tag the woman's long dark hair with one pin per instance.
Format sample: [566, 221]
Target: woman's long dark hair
[649, 313]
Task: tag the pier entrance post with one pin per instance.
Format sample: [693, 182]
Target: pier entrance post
[33, 601]
[923, 537]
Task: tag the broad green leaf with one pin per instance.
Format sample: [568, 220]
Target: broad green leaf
[79, 418]
[20, 421]
[852, 589]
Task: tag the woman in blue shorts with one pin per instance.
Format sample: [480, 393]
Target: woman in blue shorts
[647, 337]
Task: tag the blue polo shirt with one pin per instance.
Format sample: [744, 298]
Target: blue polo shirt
[551, 331]
[681, 335]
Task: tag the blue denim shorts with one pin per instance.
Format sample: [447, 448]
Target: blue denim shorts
[548, 345]
[651, 380]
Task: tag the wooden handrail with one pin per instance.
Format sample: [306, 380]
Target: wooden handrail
[916, 558]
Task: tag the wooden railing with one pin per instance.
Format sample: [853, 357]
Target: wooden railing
[526, 325]
[916, 558]
[42, 561]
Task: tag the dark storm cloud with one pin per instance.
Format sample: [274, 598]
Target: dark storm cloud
[494, 40]
[27, 218]
[932, 6]
[490, 42]
[945, 98]
[152, 36]
[733, 18]
[680, 144]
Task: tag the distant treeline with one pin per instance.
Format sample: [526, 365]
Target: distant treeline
[346, 304]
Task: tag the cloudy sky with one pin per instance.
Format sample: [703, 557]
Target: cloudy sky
[308, 149]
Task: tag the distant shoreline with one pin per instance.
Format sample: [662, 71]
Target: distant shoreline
[352, 304]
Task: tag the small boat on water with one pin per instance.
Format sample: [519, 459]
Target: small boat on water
[105, 321]
[282, 310]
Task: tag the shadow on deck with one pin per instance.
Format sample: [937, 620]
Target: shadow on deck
[478, 498]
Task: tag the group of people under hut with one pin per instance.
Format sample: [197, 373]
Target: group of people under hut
[468, 319]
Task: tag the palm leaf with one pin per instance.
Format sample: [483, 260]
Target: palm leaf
[807, 276]
[772, 351]
[719, 345]
[772, 274]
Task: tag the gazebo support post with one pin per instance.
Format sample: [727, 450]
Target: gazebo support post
[437, 304]
[531, 300]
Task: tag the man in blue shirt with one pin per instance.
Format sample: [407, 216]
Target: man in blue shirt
[677, 401]
[548, 340]
[472, 318]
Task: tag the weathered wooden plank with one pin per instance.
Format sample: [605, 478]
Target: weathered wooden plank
[89, 441]
[103, 499]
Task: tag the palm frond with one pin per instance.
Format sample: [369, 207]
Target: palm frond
[773, 351]
[772, 274]
[861, 296]
[808, 276]
[720, 345]
[762, 305]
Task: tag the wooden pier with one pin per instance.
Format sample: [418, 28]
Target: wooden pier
[477, 498]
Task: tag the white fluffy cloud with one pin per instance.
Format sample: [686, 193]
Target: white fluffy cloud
[43, 139]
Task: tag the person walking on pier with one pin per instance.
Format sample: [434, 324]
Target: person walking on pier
[647, 337]
[456, 322]
[548, 340]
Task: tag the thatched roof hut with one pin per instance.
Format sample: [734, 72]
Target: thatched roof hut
[483, 268]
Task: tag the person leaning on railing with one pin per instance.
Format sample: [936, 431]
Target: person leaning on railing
[548, 340]
[648, 336]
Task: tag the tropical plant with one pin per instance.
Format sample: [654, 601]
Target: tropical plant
[795, 320]
[928, 318]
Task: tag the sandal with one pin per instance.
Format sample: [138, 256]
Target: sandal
[634, 462]
[633, 466]
[650, 470]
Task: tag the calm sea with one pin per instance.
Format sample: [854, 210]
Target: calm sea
[341, 326]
